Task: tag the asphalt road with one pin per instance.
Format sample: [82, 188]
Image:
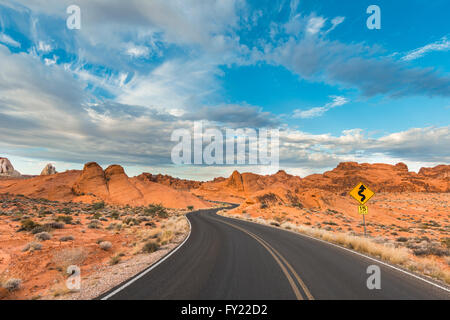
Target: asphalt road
[231, 259]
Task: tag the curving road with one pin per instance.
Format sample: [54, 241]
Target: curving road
[225, 258]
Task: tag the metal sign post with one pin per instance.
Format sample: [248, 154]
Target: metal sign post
[362, 194]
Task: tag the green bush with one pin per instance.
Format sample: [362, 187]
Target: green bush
[28, 225]
[156, 210]
[65, 219]
[98, 205]
[150, 246]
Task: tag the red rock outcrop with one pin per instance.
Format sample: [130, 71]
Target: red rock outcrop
[169, 181]
[91, 181]
[93, 184]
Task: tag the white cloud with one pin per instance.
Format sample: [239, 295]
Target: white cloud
[441, 45]
[315, 24]
[49, 62]
[138, 51]
[319, 111]
[335, 22]
[44, 47]
[174, 86]
[9, 41]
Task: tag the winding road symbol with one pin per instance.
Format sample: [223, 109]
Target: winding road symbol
[361, 193]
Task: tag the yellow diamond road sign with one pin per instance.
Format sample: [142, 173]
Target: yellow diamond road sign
[361, 193]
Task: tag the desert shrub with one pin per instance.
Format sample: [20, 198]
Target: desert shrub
[28, 225]
[156, 210]
[12, 284]
[66, 210]
[190, 207]
[32, 246]
[267, 199]
[94, 224]
[114, 260]
[150, 246]
[45, 213]
[114, 226]
[55, 225]
[105, 245]
[430, 248]
[65, 219]
[402, 239]
[293, 199]
[115, 215]
[40, 229]
[43, 236]
[96, 215]
[165, 237]
[131, 221]
[66, 238]
[98, 205]
[446, 242]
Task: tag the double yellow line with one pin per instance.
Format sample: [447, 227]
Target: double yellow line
[282, 262]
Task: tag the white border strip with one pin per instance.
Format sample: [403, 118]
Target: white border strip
[151, 267]
[349, 250]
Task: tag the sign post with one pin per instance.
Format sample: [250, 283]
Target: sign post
[362, 194]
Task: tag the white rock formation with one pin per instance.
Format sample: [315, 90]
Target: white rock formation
[48, 170]
[7, 169]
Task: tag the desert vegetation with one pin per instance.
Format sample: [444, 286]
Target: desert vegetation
[40, 239]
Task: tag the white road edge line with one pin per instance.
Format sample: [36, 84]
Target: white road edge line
[352, 251]
[151, 267]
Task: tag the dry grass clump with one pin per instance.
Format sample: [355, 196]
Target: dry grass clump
[105, 245]
[115, 259]
[177, 225]
[153, 239]
[32, 246]
[43, 236]
[150, 246]
[67, 257]
[12, 284]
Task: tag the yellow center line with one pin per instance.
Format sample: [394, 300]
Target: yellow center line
[299, 280]
[275, 254]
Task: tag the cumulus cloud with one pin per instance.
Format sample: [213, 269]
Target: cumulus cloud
[319, 111]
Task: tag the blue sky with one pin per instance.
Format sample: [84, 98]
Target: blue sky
[114, 90]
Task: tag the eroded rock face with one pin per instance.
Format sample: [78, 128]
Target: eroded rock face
[7, 169]
[169, 181]
[48, 170]
[235, 181]
[91, 181]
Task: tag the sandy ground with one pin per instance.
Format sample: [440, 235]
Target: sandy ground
[108, 277]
